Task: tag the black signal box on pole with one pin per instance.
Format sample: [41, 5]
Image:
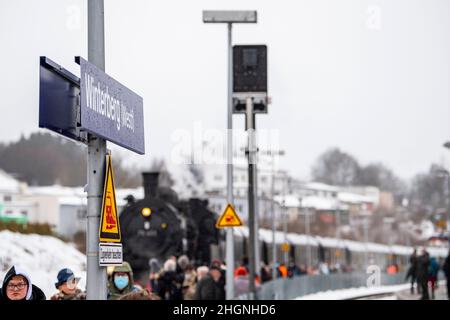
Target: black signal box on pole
[250, 68]
[250, 77]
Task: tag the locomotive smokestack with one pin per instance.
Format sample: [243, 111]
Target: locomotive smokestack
[150, 183]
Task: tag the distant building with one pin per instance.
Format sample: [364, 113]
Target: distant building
[12, 207]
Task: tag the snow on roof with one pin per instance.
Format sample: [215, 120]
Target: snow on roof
[302, 239]
[401, 250]
[72, 201]
[241, 231]
[355, 198]
[319, 203]
[355, 246]
[266, 235]
[330, 242]
[319, 186]
[56, 190]
[378, 248]
[290, 201]
[8, 183]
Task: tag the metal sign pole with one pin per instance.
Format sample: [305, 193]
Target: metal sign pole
[229, 232]
[96, 276]
[250, 127]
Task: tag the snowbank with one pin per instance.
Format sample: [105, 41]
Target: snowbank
[42, 257]
[353, 292]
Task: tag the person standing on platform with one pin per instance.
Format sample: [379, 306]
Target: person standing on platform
[446, 269]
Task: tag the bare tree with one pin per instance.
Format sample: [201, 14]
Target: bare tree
[378, 175]
[337, 168]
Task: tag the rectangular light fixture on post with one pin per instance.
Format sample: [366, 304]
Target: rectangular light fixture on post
[230, 16]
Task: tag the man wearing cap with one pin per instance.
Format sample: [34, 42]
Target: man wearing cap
[67, 286]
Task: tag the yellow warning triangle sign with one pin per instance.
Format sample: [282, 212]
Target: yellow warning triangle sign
[229, 218]
[109, 221]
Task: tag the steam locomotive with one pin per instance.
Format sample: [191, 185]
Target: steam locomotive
[161, 225]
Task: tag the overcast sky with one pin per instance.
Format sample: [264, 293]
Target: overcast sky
[371, 77]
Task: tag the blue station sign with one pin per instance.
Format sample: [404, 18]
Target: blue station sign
[110, 110]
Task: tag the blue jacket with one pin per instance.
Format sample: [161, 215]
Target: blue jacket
[433, 268]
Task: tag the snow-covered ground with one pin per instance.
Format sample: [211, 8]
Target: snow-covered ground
[353, 292]
[42, 257]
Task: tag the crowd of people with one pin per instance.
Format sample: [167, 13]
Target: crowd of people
[179, 279]
[175, 279]
[423, 273]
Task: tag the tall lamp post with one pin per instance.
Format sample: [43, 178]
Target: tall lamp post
[229, 17]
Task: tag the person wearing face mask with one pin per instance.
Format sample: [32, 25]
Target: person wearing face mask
[121, 282]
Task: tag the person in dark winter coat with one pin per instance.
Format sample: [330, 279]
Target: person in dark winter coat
[265, 273]
[423, 262]
[293, 270]
[17, 285]
[412, 271]
[446, 269]
[211, 287]
[170, 283]
[222, 280]
[67, 286]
